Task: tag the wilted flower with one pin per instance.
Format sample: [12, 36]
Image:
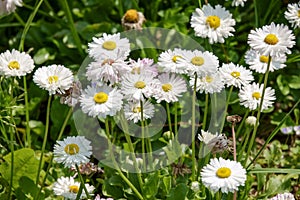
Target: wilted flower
[133, 19]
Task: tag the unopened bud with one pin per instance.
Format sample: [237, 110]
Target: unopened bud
[251, 121]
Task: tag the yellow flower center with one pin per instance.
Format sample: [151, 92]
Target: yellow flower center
[107, 61]
[100, 97]
[271, 39]
[131, 16]
[52, 79]
[264, 59]
[235, 74]
[72, 149]
[140, 84]
[197, 60]
[208, 79]
[213, 21]
[136, 110]
[73, 189]
[223, 172]
[174, 59]
[256, 95]
[298, 13]
[109, 45]
[166, 87]
[13, 65]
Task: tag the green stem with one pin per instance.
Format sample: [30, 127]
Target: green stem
[169, 117]
[82, 182]
[205, 112]
[45, 139]
[242, 123]
[143, 135]
[226, 107]
[176, 119]
[193, 129]
[244, 143]
[256, 13]
[12, 164]
[28, 136]
[72, 27]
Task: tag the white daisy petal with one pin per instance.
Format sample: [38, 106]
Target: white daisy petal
[293, 14]
[9, 6]
[132, 111]
[209, 84]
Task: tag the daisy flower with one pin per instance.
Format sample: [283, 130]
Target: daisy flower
[133, 19]
[170, 88]
[53, 78]
[137, 86]
[250, 96]
[272, 40]
[213, 23]
[72, 151]
[133, 111]
[143, 66]
[224, 175]
[200, 62]
[284, 196]
[100, 101]
[215, 142]
[108, 45]
[259, 63]
[9, 6]
[235, 75]
[293, 14]
[169, 61]
[15, 63]
[68, 188]
[209, 83]
[238, 3]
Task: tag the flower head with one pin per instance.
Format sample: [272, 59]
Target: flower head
[223, 174]
[133, 19]
[9, 6]
[133, 111]
[15, 63]
[72, 151]
[215, 142]
[211, 83]
[293, 14]
[143, 66]
[238, 3]
[54, 78]
[284, 196]
[213, 23]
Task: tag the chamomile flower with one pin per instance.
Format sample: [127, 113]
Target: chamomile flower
[132, 111]
[284, 196]
[9, 6]
[170, 88]
[272, 40]
[209, 83]
[259, 63]
[250, 96]
[53, 78]
[15, 63]
[109, 45]
[133, 19]
[143, 66]
[293, 14]
[68, 188]
[235, 75]
[100, 101]
[213, 23]
[168, 61]
[224, 175]
[206, 136]
[200, 62]
[238, 3]
[72, 151]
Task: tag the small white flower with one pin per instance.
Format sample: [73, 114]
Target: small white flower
[206, 136]
[108, 46]
[9, 6]
[251, 120]
[215, 142]
[213, 23]
[170, 88]
[100, 101]
[133, 111]
[195, 186]
[68, 188]
[259, 63]
[54, 78]
[235, 75]
[143, 66]
[223, 174]
[15, 63]
[284, 196]
[238, 3]
[272, 40]
[72, 151]
[293, 14]
[209, 83]
[250, 96]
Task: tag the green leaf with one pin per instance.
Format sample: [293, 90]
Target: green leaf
[294, 82]
[178, 193]
[151, 185]
[167, 181]
[43, 55]
[25, 165]
[274, 170]
[283, 85]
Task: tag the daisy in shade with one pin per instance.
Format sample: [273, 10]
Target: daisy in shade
[169, 61]
[15, 63]
[272, 40]
[136, 87]
[235, 75]
[213, 23]
[107, 70]
[72, 151]
[238, 3]
[209, 83]
[215, 142]
[293, 14]
[54, 78]
[133, 111]
[143, 66]
[200, 62]
[9, 6]
[100, 101]
[68, 188]
[259, 63]
[250, 96]
[284, 196]
[170, 88]
[224, 175]
[109, 45]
